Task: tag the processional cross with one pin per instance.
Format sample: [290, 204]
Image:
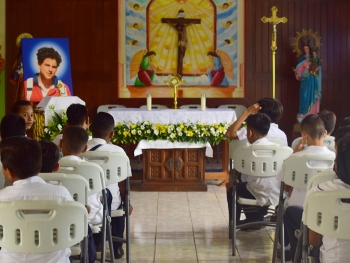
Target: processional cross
[274, 20]
[180, 24]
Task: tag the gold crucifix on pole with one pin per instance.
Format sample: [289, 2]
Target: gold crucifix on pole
[274, 20]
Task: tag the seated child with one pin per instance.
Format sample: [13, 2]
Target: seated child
[12, 125]
[21, 162]
[272, 108]
[102, 128]
[345, 122]
[77, 114]
[25, 109]
[50, 158]
[333, 249]
[313, 132]
[262, 189]
[329, 119]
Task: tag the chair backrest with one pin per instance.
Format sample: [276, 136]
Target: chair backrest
[332, 217]
[42, 226]
[92, 173]
[260, 160]
[239, 109]
[190, 106]
[154, 106]
[76, 184]
[297, 170]
[327, 141]
[115, 165]
[320, 177]
[108, 107]
[276, 140]
[234, 144]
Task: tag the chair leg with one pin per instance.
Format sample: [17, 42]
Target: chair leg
[84, 250]
[105, 213]
[127, 220]
[234, 220]
[299, 235]
[279, 226]
[305, 244]
[110, 241]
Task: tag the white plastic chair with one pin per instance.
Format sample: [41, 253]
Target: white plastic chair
[116, 167]
[276, 140]
[42, 226]
[95, 178]
[154, 106]
[330, 219]
[77, 187]
[297, 170]
[190, 106]
[108, 107]
[239, 109]
[260, 161]
[327, 141]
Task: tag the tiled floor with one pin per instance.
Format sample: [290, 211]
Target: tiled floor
[190, 227]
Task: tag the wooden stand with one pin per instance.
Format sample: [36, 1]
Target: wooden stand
[173, 170]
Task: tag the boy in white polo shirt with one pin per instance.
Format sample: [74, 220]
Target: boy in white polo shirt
[21, 162]
[102, 129]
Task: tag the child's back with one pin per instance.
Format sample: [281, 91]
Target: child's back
[21, 159]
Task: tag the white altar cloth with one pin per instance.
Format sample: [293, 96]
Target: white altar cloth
[171, 116]
[165, 144]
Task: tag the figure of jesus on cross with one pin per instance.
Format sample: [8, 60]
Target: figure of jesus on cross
[180, 24]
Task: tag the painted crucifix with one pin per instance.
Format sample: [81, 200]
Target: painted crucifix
[180, 24]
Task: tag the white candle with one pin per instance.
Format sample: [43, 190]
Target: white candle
[149, 102]
[203, 106]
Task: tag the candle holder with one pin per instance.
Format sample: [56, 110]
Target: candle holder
[175, 81]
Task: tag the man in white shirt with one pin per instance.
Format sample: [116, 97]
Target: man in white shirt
[77, 114]
[313, 132]
[21, 162]
[102, 128]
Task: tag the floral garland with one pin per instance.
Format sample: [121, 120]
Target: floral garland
[131, 133]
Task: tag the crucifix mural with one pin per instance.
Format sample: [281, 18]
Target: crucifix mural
[181, 24]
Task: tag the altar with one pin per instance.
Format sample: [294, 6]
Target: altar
[176, 166]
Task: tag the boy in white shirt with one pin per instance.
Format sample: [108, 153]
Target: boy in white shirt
[262, 189]
[77, 114]
[312, 132]
[21, 162]
[102, 128]
[334, 250]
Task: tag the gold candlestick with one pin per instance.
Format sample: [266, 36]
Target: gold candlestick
[175, 81]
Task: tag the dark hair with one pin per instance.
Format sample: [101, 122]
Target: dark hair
[150, 53]
[212, 53]
[12, 125]
[272, 108]
[50, 156]
[48, 52]
[74, 139]
[227, 41]
[102, 125]
[16, 107]
[259, 122]
[313, 125]
[22, 155]
[329, 119]
[342, 132]
[77, 114]
[342, 159]
[345, 122]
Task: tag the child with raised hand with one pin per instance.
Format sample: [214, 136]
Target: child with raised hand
[262, 189]
[21, 163]
[25, 109]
